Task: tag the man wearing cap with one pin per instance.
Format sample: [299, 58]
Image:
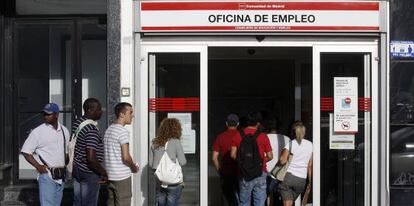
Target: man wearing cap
[224, 164]
[48, 141]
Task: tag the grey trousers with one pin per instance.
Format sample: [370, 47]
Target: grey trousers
[119, 193]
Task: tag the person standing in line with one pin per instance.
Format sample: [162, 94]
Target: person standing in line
[253, 191]
[88, 172]
[300, 166]
[278, 142]
[48, 141]
[224, 164]
[168, 132]
[118, 162]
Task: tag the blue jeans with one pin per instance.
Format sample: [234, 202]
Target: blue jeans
[169, 196]
[255, 188]
[50, 192]
[85, 188]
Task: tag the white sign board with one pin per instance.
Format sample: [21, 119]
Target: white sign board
[188, 135]
[182, 16]
[346, 105]
[402, 49]
[340, 141]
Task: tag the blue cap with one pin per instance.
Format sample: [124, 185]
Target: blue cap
[51, 108]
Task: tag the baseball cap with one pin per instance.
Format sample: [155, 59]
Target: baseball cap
[51, 108]
[232, 119]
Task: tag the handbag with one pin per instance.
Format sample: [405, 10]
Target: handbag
[72, 144]
[169, 172]
[57, 173]
[279, 171]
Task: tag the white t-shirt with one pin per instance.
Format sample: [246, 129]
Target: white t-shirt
[47, 142]
[301, 156]
[115, 136]
[275, 147]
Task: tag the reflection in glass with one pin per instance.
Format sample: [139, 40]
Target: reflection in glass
[178, 76]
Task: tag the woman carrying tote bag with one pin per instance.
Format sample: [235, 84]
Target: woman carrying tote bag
[169, 134]
[300, 167]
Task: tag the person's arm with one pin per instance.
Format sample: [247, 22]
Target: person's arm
[269, 155]
[40, 168]
[284, 156]
[310, 165]
[233, 152]
[180, 153]
[94, 164]
[127, 159]
[215, 160]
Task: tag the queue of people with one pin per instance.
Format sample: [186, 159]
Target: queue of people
[244, 158]
[97, 160]
[246, 181]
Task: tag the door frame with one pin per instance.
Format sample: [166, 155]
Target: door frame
[143, 123]
[371, 144]
[164, 45]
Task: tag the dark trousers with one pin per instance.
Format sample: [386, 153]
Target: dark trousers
[230, 189]
[273, 191]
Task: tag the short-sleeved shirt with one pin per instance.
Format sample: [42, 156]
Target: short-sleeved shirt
[48, 143]
[274, 142]
[88, 138]
[222, 145]
[262, 143]
[115, 136]
[301, 156]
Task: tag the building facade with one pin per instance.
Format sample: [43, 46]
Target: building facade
[328, 63]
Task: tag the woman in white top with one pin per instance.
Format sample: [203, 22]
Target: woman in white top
[300, 166]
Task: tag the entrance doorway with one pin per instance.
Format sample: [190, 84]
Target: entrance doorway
[202, 83]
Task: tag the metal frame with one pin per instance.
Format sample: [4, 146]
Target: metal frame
[142, 125]
[146, 46]
[371, 144]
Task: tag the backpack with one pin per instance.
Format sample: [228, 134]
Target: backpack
[168, 172]
[248, 157]
[72, 144]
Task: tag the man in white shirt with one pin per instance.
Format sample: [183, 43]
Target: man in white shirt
[48, 141]
[118, 161]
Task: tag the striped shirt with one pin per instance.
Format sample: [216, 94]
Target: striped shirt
[88, 138]
[115, 136]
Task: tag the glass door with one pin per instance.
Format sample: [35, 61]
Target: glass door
[177, 88]
[345, 94]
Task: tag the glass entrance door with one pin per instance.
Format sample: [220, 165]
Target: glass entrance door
[345, 148]
[177, 82]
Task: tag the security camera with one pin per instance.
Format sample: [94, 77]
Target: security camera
[260, 38]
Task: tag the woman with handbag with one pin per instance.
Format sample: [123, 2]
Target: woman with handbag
[299, 167]
[168, 191]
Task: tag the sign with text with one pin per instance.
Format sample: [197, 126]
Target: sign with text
[345, 105]
[340, 141]
[179, 16]
[403, 49]
[188, 135]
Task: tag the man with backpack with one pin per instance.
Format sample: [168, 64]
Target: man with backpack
[252, 150]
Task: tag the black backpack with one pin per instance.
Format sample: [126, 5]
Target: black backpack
[248, 157]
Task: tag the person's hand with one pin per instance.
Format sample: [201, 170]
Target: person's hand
[135, 168]
[103, 180]
[42, 169]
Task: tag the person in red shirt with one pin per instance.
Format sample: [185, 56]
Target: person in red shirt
[224, 164]
[253, 191]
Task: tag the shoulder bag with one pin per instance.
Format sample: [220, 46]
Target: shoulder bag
[279, 171]
[169, 172]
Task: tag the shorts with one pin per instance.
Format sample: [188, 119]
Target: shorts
[291, 187]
